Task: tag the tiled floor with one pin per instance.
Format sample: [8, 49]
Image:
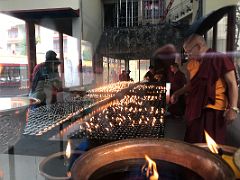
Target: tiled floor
[175, 128]
[19, 167]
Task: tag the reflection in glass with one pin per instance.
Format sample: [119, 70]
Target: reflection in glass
[46, 39]
[105, 70]
[13, 58]
[134, 68]
[71, 62]
[87, 68]
[222, 35]
[137, 68]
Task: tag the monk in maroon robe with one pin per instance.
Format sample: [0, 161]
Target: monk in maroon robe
[212, 92]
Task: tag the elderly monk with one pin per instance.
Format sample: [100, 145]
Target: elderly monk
[212, 92]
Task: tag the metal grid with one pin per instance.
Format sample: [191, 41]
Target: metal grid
[125, 131]
[44, 118]
[10, 131]
[140, 113]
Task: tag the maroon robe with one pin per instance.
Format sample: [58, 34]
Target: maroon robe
[177, 81]
[202, 92]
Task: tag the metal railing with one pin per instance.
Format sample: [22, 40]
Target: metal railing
[134, 13]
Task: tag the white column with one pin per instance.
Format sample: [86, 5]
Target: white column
[120, 3]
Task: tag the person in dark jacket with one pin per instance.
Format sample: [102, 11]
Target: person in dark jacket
[149, 76]
[45, 79]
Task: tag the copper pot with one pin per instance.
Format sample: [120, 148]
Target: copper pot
[236, 158]
[200, 161]
[225, 148]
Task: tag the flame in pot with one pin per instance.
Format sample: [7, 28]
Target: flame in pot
[212, 145]
[151, 169]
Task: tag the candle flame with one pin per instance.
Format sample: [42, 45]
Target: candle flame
[212, 145]
[151, 171]
[68, 150]
[111, 124]
[69, 174]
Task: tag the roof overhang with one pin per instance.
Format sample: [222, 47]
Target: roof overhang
[59, 19]
[43, 13]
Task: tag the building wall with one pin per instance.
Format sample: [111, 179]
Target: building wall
[208, 5]
[212, 5]
[92, 13]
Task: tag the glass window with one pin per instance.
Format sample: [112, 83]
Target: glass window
[222, 35]
[119, 69]
[131, 17]
[71, 62]
[46, 39]
[87, 65]
[144, 67]
[93, 109]
[13, 57]
[134, 68]
[123, 64]
[137, 67]
[13, 33]
[105, 70]
[114, 69]
[152, 9]
[210, 38]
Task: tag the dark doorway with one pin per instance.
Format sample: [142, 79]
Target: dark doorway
[109, 14]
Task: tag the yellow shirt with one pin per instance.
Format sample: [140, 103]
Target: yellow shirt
[220, 99]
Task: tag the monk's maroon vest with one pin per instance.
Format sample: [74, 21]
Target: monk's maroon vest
[203, 85]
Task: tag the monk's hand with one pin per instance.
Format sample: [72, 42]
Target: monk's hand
[230, 115]
[173, 98]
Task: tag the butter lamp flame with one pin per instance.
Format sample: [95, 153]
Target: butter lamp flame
[68, 150]
[214, 148]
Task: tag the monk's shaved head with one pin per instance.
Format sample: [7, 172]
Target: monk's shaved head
[194, 39]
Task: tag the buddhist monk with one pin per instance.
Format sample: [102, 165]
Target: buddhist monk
[212, 91]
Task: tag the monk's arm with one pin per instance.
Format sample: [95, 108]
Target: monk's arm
[230, 79]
